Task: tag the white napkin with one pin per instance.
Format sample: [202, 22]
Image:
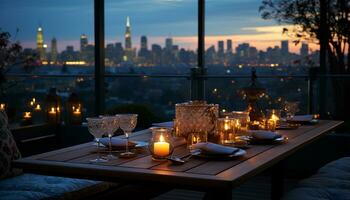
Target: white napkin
[264, 135]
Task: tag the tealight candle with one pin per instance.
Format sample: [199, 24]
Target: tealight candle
[38, 107]
[27, 115]
[52, 111]
[161, 148]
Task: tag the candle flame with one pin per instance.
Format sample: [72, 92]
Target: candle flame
[38, 107]
[2, 106]
[274, 117]
[27, 114]
[33, 100]
[52, 109]
[226, 125]
[161, 138]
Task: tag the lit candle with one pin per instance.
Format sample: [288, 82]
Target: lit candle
[161, 148]
[27, 115]
[52, 111]
[77, 111]
[37, 108]
[226, 124]
[33, 100]
[2, 106]
[32, 103]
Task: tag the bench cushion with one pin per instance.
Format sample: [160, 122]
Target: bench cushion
[331, 182]
[32, 186]
[8, 149]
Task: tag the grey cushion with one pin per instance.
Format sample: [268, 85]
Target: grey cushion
[8, 149]
[32, 186]
[331, 182]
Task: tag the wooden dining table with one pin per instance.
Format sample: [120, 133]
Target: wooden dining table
[215, 177]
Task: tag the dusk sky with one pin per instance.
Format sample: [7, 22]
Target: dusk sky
[66, 20]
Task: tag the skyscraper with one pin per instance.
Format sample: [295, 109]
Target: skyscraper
[144, 45]
[284, 47]
[40, 44]
[304, 50]
[128, 44]
[168, 44]
[83, 42]
[54, 50]
[229, 46]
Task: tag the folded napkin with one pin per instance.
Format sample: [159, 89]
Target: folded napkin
[301, 118]
[215, 149]
[164, 124]
[264, 135]
[117, 143]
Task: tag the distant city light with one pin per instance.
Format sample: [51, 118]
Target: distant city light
[75, 63]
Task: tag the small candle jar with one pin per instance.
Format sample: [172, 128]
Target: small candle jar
[161, 144]
[227, 129]
[194, 138]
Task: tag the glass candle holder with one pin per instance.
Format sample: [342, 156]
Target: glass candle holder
[227, 128]
[198, 137]
[161, 144]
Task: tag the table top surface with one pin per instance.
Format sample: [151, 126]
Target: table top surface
[197, 172]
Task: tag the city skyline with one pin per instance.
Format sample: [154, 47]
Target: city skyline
[237, 20]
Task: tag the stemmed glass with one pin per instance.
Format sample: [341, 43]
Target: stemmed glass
[95, 127]
[127, 123]
[111, 124]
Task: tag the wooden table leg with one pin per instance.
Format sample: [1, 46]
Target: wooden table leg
[222, 194]
[277, 180]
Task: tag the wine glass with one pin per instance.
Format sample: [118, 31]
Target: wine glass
[95, 127]
[291, 107]
[127, 123]
[111, 125]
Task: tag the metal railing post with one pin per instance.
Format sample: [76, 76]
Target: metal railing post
[198, 73]
[99, 26]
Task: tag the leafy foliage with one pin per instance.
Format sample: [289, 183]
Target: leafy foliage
[305, 15]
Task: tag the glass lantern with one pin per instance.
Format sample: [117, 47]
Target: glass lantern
[53, 107]
[161, 144]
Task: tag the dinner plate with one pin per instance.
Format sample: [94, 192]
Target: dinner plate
[278, 140]
[237, 154]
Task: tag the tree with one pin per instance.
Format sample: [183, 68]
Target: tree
[9, 54]
[305, 15]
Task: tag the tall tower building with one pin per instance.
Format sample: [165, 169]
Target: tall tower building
[284, 47]
[83, 42]
[168, 44]
[229, 46]
[304, 50]
[128, 44]
[40, 44]
[144, 45]
[221, 47]
[54, 50]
